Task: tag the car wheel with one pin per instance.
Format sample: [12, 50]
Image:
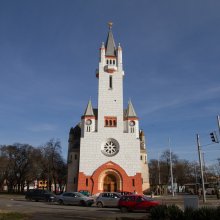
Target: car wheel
[149, 208]
[83, 203]
[60, 201]
[99, 205]
[124, 209]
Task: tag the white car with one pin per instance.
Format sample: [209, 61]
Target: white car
[108, 199]
[74, 198]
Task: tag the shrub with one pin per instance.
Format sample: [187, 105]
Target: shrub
[174, 213]
[159, 212]
[188, 214]
[205, 213]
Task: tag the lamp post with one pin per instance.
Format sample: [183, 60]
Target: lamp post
[201, 168]
[158, 165]
[218, 121]
[171, 171]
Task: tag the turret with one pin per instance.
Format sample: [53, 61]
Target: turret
[142, 140]
[102, 54]
[88, 120]
[119, 57]
[131, 119]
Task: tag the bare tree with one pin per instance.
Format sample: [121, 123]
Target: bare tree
[52, 162]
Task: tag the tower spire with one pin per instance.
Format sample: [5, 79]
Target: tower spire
[110, 43]
[89, 109]
[130, 111]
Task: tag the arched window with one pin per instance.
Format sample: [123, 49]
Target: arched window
[106, 61]
[110, 121]
[110, 61]
[115, 123]
[114, 62]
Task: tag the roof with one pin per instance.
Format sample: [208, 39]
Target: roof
[130, 110]
[110, 44]
[89, 109]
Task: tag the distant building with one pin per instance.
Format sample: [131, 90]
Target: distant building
[107, 150]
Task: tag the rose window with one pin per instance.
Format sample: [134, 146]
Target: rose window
[110, 147]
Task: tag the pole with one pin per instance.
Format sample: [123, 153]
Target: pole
[204, 169]
[158, 164]
[218, 120]
[201, 168]
[171, 171]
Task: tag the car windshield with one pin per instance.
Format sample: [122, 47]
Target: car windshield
[79, 194]
[47, 191]
[148, 198]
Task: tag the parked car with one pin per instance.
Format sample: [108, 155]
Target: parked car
[210, 191]
[136, 202]
[85, 192]
[40, 195]
[95, 196]
[108, 199]
[74, 198]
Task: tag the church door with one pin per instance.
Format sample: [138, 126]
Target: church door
[110, 184]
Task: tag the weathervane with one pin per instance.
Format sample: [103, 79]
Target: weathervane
[110, 24]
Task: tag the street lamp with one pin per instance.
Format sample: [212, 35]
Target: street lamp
[214, 139]
[201, 168]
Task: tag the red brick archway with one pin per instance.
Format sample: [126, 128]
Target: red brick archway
[124, 182]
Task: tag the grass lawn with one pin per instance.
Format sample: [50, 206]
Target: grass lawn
[14, 216]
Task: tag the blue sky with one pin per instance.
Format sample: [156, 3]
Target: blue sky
[49, 51]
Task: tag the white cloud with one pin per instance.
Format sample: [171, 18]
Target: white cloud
[184, 99]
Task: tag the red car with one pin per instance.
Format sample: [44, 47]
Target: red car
[136, 202]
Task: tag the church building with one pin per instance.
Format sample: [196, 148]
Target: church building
[107, 151]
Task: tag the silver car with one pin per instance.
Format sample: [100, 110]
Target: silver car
[108, 199]
[74, 198]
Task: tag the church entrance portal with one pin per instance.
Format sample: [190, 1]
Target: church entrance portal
[110, 181]
[110, 184]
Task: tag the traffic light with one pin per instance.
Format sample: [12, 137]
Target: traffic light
[214, 137]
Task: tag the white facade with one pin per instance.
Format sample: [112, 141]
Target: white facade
[109, 133]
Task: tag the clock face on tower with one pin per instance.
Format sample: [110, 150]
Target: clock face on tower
[88, 122]
[132, 123]
[110, 147]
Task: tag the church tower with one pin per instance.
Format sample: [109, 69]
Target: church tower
[107, 150]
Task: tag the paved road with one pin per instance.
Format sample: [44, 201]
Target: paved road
[41, 210]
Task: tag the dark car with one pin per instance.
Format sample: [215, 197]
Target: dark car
[136, 203]
[40, 195]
